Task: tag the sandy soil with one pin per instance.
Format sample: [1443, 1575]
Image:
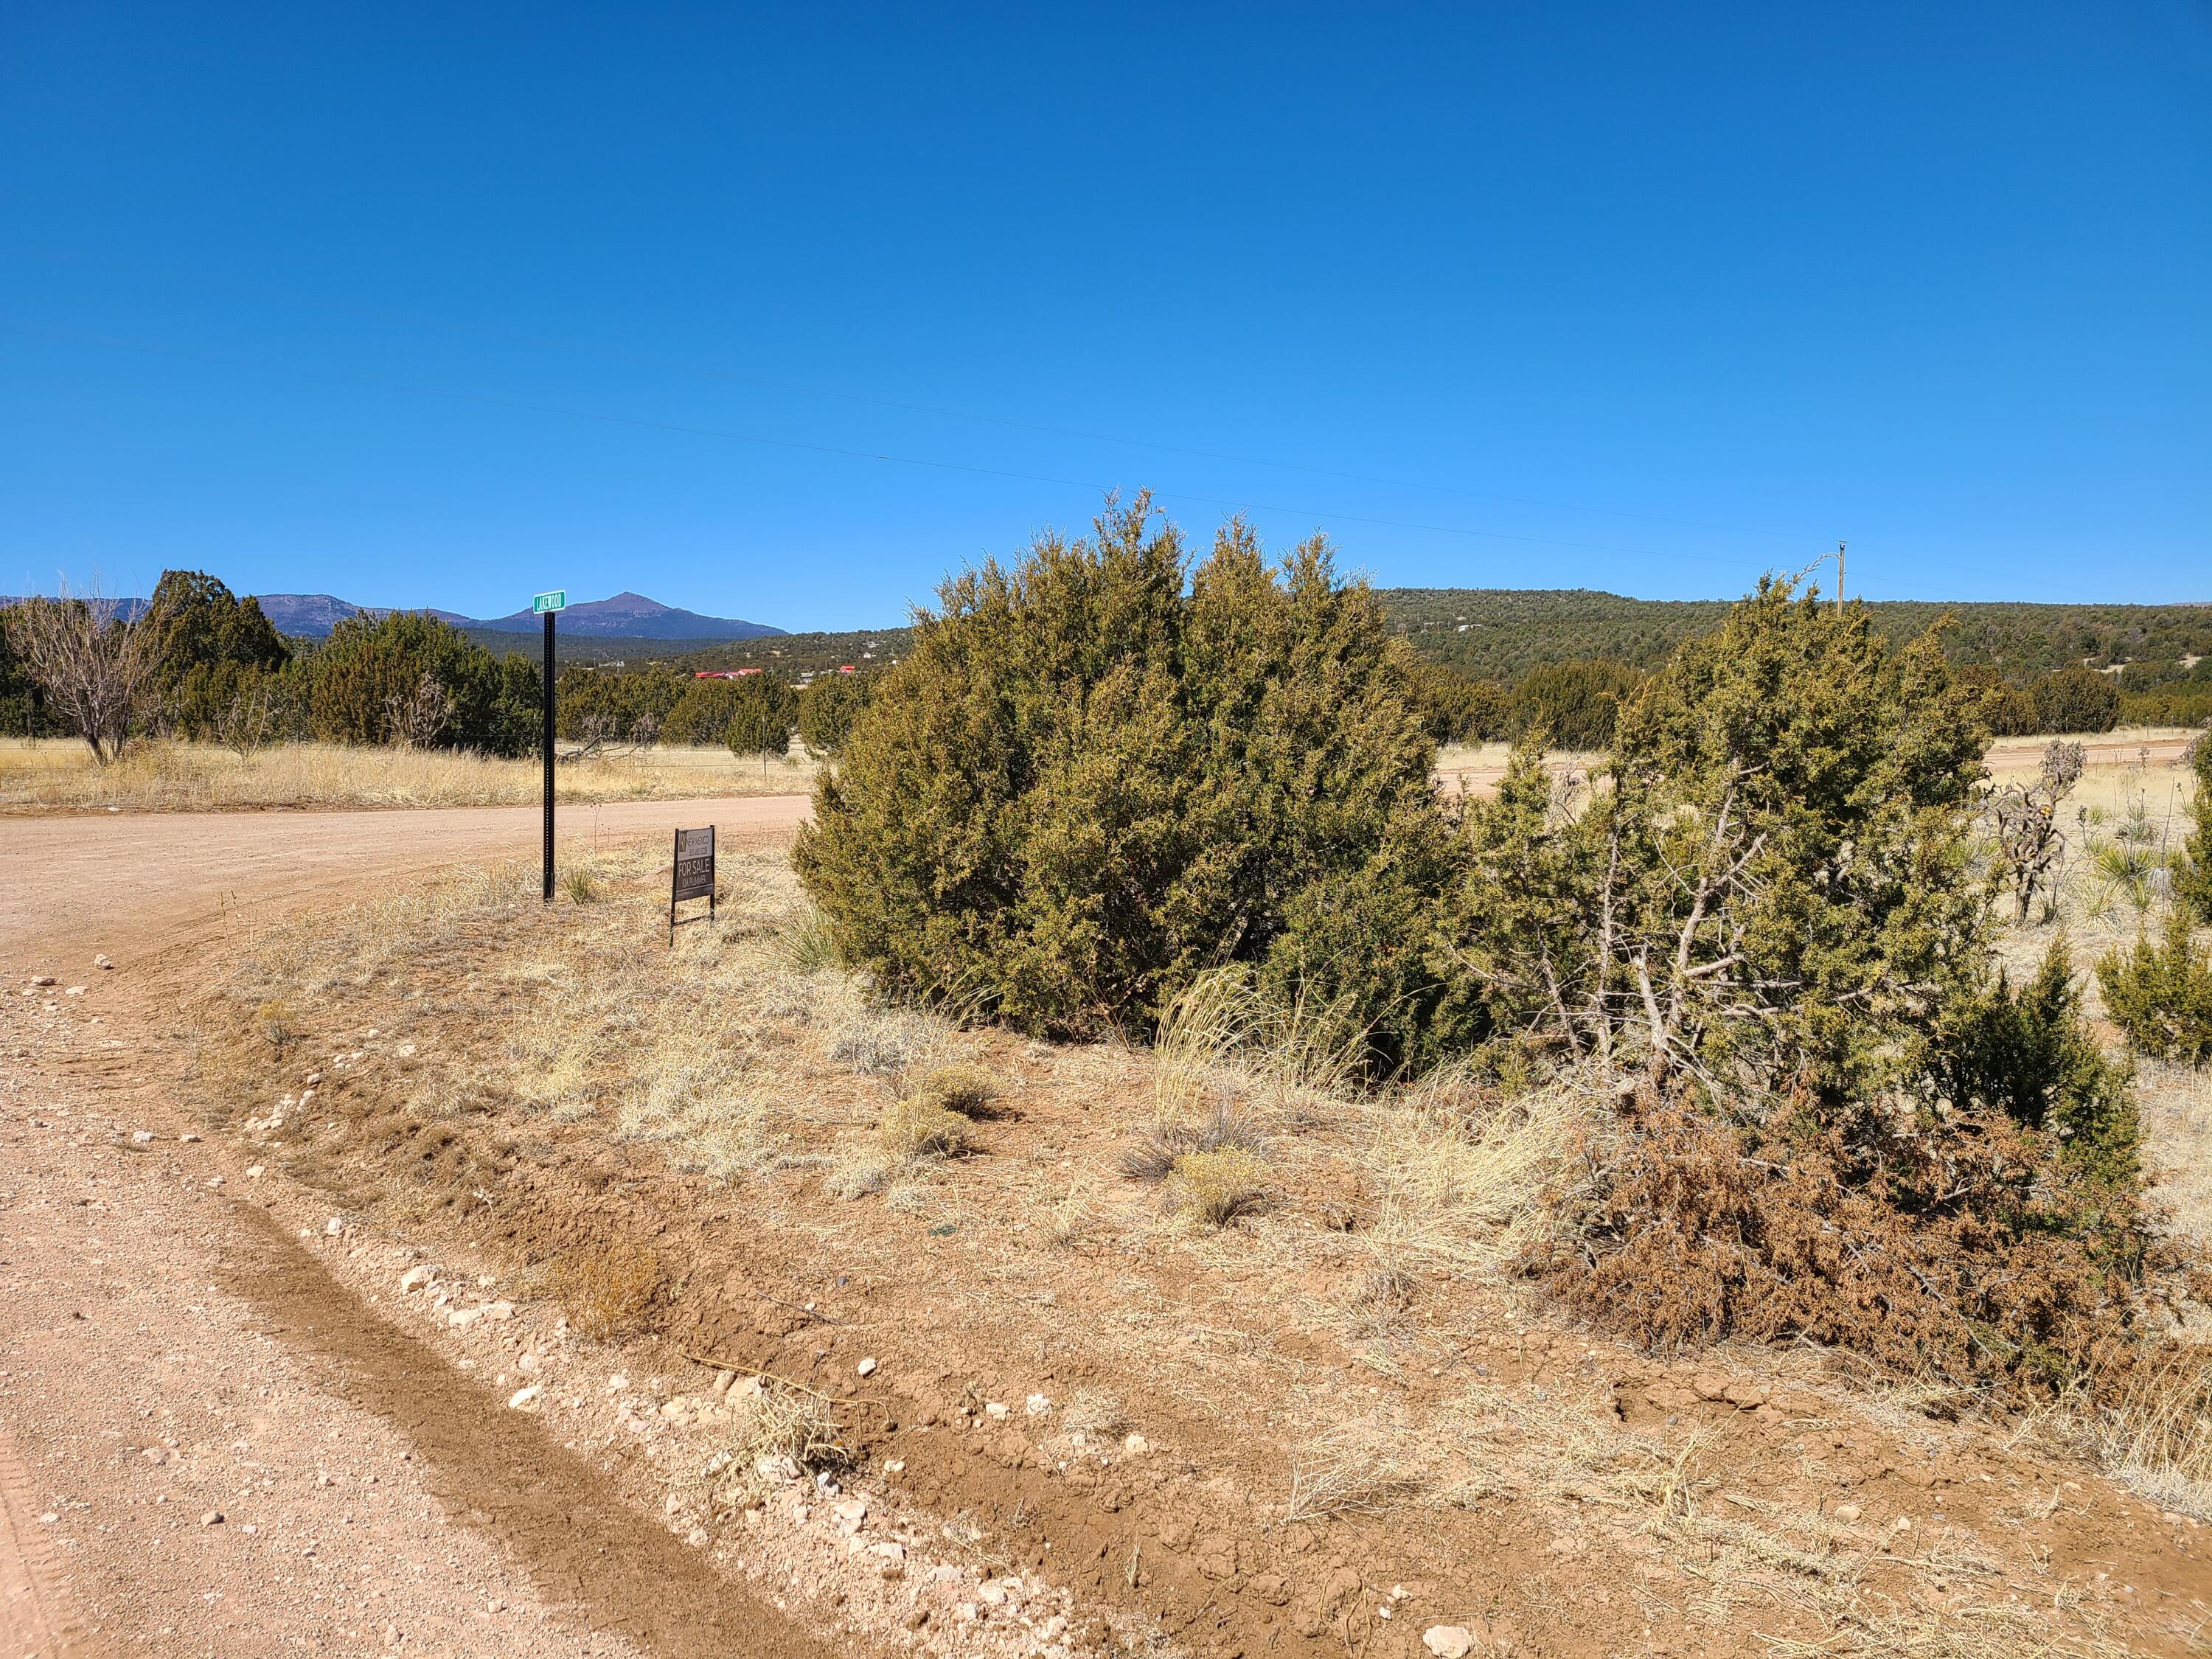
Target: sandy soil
[208, 1442]
[131, 885]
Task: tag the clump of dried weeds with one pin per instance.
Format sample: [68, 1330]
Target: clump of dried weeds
[608, 1290]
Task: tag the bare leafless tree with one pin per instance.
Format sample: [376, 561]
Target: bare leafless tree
[95, 668]
[2025, 816]
[249, 723]
[414, 720]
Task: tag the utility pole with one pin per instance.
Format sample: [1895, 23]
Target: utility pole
[1839, 575]
[548, 605]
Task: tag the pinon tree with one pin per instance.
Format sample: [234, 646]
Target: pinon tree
[1842, 1123]
[1773, 894]
[1102, 770]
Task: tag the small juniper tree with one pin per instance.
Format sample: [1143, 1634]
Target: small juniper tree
[2192, 883]
[1100, 771]
[762, 713]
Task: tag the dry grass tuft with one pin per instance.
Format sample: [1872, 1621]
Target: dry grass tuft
[782, 1432]
[856, 1177]
[920, 1129]
[1216, 1187]
[608, 1290]
[275, 1024]
[1352, 1468]
[960, 1087]
[1154, 1158]
[2150, 1428]
[1221, 1038]
[1095, 1411]
[1069, 1222]
[1464, 1171]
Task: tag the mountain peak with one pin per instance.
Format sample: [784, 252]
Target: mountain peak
[625, 616]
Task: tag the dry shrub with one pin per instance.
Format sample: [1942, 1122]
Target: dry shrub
[963, 1088]
[2149, 1425]
[1966, 1258]
[921, 1129]
[607, 1289]
[1352, 1468]
[275, 1024]
[1217, 1187]
[782, 1432]
[1154, 1158]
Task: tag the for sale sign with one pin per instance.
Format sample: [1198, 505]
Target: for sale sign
[692, 875]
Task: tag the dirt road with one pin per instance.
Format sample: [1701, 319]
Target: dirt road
[129, 884]
[208, 1442]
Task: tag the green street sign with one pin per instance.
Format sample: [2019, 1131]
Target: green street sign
[545, 602]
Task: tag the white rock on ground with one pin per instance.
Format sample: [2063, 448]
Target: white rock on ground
[1449, 1641]
[867, 1367]
[416, 1277]
[522, 1398]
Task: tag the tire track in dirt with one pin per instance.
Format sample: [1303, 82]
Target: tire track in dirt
[37, 1618]
[574, 1533]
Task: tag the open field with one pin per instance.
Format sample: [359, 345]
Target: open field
[1344, 1406]
[54, 774]
[1287, 1397]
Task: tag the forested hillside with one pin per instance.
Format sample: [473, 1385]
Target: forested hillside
[1512, 658]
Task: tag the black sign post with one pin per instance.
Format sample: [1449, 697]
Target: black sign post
[692, 876]
[548, 605]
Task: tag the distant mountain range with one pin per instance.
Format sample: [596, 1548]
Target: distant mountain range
[624, 616]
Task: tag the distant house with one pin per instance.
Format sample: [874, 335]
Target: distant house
[722, 673]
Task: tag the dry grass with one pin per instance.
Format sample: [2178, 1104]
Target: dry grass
[50, 775]
[959, 1087]
[1352, 1468]
[1462, 1170]
[2151, 1431]
[1219, 1042]
[1216, 1187]
[1097, 1411]
[781, 1431]
[608, 1292]
[918, 1128]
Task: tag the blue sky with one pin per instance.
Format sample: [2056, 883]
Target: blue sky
[445, 305]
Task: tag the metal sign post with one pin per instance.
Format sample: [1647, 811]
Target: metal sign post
[548, 605]
[692, 875]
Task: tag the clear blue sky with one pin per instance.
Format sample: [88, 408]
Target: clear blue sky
[445, 304]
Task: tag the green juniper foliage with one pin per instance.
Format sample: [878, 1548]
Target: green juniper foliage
[2192, 883]
[763, 714]
[371, 662]
[2162, 995]
[1101, 771]
[828, 708]
[2028, 1054]
[1770, 893]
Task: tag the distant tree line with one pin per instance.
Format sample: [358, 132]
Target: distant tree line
[197, 661]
